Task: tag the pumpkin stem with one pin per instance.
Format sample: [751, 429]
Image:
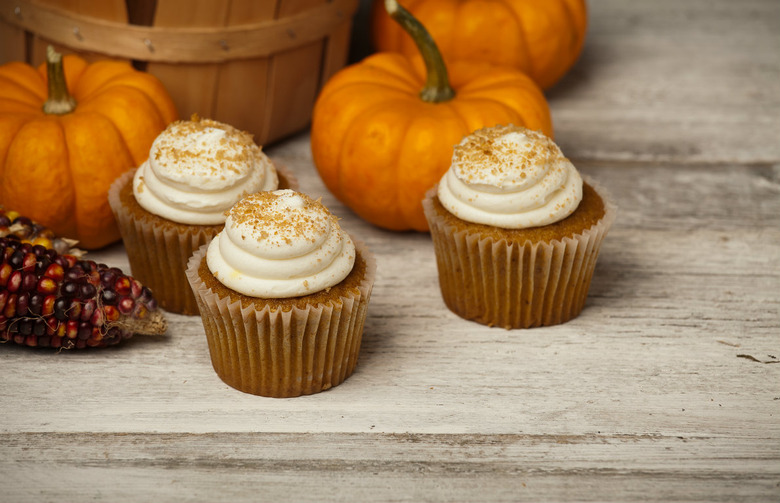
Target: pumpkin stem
[60, 101]
[437, 86]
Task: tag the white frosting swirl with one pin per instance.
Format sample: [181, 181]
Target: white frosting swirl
[280, 244]
[198, 169]
[510, 177]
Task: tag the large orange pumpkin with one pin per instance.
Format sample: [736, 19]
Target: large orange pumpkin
[58, 156]
[379, 142]
[543, 38]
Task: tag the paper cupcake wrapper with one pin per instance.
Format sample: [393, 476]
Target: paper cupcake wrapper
[282, 354]
[158, 253]
[515, 285]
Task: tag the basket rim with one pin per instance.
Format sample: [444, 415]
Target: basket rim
[177, 44]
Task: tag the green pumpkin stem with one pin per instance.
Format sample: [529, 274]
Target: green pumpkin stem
[437, 86]
[60, 101]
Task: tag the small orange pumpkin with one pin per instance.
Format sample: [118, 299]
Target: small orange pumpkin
[67, 130]
[542, 38]
[379, 142]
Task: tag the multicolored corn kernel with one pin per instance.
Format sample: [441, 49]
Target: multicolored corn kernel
[29, 231]
[53, 300]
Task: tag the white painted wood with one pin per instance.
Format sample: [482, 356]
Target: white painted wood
[666, 388]
[674, 80]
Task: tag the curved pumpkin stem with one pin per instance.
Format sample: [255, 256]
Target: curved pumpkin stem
[437, 86]
[60, 101]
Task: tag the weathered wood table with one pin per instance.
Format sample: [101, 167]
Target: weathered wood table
[666, 388]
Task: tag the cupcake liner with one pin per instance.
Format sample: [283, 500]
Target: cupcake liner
[283, 353]
[508, 284]
[158, 250]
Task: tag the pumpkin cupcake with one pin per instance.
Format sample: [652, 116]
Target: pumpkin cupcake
[176, 200]
[515, 230]
[282, 292]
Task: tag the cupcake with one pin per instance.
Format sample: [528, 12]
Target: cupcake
[176, 200]
[283, 292]
[516, 231]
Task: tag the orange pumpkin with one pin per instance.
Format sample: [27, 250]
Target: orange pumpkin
[379, 142]
[62, 145]
[542, 38]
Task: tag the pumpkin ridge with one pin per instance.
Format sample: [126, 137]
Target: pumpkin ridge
[530, 64]
[119, 134]
[18, 107]
[140, 106]
[18, 74]
[23, 93]
[358, 127]
[16, 123]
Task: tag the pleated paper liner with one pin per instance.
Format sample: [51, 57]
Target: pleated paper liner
[283, 352]
[158, 249]
[498, 282]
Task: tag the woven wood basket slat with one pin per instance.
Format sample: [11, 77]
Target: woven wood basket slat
[255, 64]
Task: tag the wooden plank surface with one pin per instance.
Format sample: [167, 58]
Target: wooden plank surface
[665, 388]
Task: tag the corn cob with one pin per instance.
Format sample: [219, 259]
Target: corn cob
[53, 300]
[28, 231]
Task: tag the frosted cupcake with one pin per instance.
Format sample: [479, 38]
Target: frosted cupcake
[282, 292]
[176, 201]
[515, 230]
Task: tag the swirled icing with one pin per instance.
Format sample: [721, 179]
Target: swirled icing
[510, 177]
[198, 169]
[280, 244]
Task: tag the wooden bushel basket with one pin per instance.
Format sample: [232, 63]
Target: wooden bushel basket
[255, 64]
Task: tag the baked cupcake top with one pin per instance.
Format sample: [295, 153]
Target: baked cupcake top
[510, 177]
[198, 169]
[280, 244]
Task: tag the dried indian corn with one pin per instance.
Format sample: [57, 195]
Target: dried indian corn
[53, 300]
[28, 231]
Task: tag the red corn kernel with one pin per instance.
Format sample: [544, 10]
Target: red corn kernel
[71, 329]
[122, 285]
[88, 310]
[70, 260]
[5, 273]
[47, 308]
[125, 305]
[47, 286]
[97, 318]
[111, 313]
[28, 263]
[56, 341]
[85, 330]
[31, 340]
[52, 324]
[22, 304]
[55, 272]
[135, 288]
[3, 299]
[74, 312]
[14, 281]
[10, 306]
[29, 280]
